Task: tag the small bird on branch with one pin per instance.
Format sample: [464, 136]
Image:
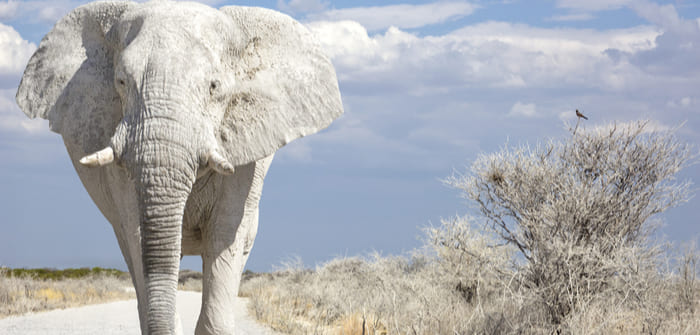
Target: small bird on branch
[581, 115]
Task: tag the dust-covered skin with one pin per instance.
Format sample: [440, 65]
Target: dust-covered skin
[171, 112]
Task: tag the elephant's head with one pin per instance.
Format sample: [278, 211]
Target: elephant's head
[168, 91]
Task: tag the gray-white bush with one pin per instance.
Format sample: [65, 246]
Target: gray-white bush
[580, 211]
[567, 249]
[469, 258]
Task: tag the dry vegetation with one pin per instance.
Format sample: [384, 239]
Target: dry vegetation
[34, 290]
[562, 245]
[189, 281]
[23, 291]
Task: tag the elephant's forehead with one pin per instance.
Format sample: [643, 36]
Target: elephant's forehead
[176, 20]
[170, 28]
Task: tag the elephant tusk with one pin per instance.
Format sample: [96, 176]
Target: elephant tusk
[219, 163]
[100, 158]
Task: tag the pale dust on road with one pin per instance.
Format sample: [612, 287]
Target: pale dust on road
[117, 318]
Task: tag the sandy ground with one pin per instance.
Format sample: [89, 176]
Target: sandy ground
[118, 318]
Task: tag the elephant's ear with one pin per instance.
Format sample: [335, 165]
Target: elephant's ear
[286, 87]
[71, 71]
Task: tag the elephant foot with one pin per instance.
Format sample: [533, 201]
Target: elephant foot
[207, 328]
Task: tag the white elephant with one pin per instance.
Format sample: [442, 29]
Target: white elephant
[171, 112]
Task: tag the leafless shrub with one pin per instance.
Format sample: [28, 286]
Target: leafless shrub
[687, 282]
[579, 211]
[473, 261]
[566, 249]
[425, 295]
[19, 295]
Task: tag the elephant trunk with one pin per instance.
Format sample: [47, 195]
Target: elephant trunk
[164, 181]
[161, 231]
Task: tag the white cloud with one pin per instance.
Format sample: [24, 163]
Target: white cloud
[683, 102]
[492, 54]
[572, 17]
[302, 6]
[651, 126]
[52, 14]
[348, 43]
[425, 99]
[563, 40]
[43, 11]
[400, 16]
[520, 109]
[297, 151]
[593, 5]
[566, 116]
[686, 101]
[13, 121]
[14, 54]
[8, 9]
[664, 16]
[677, 49]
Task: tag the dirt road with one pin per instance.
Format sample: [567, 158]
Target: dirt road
[118, 318]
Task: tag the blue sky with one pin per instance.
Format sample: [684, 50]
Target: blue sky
[427, 86]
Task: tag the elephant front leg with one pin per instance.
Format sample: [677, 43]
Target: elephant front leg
[129, 239]
[222, 268]
[221, 279]
[226, 242]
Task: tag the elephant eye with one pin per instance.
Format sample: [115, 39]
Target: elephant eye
[213, 86]
[121, 82]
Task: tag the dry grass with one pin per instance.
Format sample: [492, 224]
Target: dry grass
[391, 295]
[421, 295]
[24, 291]
[24, 294]
[189, 281]
[562, 246]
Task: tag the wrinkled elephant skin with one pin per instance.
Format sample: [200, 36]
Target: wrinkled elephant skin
[171, 113]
